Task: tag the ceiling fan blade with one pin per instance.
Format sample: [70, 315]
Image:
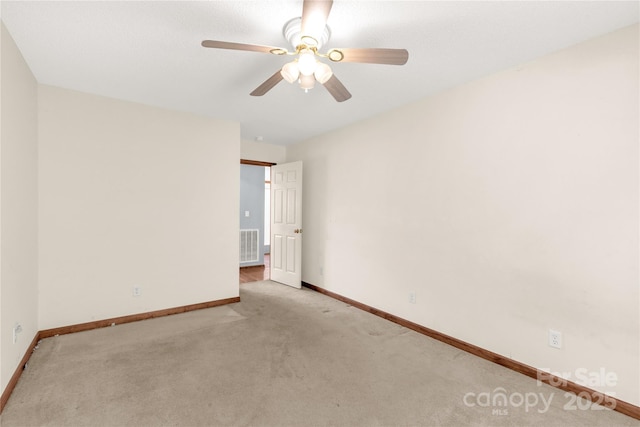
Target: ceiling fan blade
[337, 89]
[314, 17]
[240, 46]
[375, 56]
[267, 85]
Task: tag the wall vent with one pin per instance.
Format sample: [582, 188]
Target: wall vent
[249, 242]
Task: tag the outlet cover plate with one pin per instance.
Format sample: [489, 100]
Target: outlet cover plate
[555, 338]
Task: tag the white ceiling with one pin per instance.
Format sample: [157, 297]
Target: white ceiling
[150, 52]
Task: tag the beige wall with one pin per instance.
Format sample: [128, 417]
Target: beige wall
[263, 152]
[509, 205]
[132, 195]
[18, 206]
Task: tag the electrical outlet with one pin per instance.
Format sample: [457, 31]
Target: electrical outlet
[555, 339]
[137, 291]
[412, 297]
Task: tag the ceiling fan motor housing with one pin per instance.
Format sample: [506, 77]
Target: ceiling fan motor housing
[292, 31]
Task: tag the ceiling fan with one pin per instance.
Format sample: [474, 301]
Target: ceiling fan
[307, 34]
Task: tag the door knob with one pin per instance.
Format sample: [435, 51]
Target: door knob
[298, 230]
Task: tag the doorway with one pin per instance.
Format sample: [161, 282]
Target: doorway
[255, 206]
[285, 204]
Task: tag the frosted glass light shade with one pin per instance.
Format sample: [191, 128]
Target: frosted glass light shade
[307, 63]
[323, 72]
[307, 82]
[290, 72]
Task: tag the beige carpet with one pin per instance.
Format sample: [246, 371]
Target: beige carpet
[281, 357]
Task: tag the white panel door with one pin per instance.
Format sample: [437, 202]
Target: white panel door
[286, 224]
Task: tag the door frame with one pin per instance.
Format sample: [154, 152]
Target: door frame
[256, 163]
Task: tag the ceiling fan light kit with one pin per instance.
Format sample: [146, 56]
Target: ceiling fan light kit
[290, 72]
[322, 73]
[307, 82]
[307, 34]
[306, 62]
